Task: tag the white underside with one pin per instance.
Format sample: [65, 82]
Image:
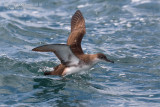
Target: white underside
[71, 70]
[75, 69]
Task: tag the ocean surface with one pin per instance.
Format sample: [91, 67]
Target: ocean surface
[127, 31]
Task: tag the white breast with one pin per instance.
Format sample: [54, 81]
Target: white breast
[75, 69]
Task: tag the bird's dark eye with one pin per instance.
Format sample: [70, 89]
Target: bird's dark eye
[101, 57]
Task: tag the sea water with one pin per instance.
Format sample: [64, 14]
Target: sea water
[126, 31]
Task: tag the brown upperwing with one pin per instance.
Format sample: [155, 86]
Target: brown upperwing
[77, 32]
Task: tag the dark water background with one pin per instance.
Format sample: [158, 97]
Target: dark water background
[127, 31]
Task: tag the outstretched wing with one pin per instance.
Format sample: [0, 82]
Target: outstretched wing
[62, 51]
[77, 32]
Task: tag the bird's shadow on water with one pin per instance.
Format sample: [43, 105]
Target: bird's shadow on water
[57, 89]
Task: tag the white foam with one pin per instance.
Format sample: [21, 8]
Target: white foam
[85, 5]
[129, 24]
[141, 1]
[45, 69]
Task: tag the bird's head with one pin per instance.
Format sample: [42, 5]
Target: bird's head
[100, 57]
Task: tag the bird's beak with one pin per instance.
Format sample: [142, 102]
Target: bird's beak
[107, 60]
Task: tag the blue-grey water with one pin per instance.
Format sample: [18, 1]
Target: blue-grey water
[127, 31]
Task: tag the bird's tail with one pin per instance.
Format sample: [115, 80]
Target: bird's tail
[47, 73]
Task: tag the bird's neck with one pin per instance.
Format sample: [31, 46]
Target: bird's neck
[89, 59]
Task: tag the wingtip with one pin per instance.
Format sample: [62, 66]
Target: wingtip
[34, 49]
[38, 49]
[78, 10]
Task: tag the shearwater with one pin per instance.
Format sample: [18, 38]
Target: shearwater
[71, 54]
